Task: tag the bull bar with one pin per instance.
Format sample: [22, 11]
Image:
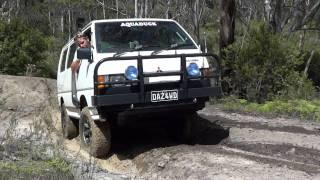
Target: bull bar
[144, 96]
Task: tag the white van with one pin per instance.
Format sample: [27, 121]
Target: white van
[133, 65]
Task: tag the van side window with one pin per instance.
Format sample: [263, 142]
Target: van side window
[73, 49]
[63, 60]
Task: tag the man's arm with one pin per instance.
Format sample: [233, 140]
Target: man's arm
[75, 65]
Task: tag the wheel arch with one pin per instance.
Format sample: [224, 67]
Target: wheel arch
[83, 102]
[61, 101]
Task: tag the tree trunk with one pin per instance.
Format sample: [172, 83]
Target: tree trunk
[69, 22]
[152, 7]
[275, 16]
[196, 19]
[18, 7]
[267, 10]
[146, 8]
[62, 23]
[50, 23]
[117, 7]
[135, 8]
[104, 9]
[302, 39]
[227, 23]
[9, 12]
[141, 10]
[168, 13]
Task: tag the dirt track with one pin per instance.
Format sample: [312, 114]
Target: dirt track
[226, 145]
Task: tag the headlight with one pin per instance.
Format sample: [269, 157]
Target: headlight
[131, 73]
[193, 70]
[113, 78]
[116, 78]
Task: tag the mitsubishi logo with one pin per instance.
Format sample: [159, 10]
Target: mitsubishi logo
[159, 70]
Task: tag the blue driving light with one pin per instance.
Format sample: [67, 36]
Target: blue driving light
[193, 69]
[131, 73]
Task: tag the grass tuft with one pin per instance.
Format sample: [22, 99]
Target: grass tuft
[302, 109]
[51, 169]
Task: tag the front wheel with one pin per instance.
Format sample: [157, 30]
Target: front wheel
[95, 135]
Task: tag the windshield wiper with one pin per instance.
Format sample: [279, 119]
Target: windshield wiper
[120, 53]
[136, 48]
[172, 46]
[143, 47]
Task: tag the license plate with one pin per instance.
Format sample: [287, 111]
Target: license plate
[164, 95]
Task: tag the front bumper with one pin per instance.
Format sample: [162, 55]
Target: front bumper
[136, 98]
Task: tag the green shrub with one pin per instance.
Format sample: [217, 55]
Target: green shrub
[21, 46]
[264, 66]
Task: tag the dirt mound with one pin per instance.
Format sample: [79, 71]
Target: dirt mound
[22, 99]
[30, 144]
[25, 94]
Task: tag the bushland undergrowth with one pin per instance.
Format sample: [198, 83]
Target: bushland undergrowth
[266, 66]
[267, 75]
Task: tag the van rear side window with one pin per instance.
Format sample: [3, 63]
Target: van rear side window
[63, 60]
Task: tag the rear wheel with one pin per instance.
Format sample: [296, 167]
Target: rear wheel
[68, 125]
[95, 135]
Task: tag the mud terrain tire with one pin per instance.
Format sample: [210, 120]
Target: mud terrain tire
[95, 135]
[68, 125]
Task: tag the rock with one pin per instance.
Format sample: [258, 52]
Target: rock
[291, 151]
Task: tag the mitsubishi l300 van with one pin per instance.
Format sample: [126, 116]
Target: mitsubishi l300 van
[135, 66]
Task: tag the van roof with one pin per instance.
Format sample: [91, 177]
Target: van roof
[127, 20]
[131, 19]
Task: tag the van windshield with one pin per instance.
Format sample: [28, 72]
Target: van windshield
[140, 35]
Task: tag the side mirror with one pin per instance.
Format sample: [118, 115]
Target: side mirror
[84, 53]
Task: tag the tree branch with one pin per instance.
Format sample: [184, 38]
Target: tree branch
[308, 64]
[99, 2]
[307, 17]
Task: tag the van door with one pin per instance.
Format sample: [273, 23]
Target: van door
[62, 73]
[68, 77]
[85, 76]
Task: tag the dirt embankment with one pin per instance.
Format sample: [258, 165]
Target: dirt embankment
[22, 99]
[31, 146]
[225, 145]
